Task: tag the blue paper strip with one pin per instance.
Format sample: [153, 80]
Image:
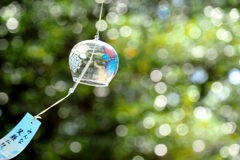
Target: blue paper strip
[19, 137]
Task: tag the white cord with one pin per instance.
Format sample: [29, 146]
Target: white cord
[71, 90]
[99, 21]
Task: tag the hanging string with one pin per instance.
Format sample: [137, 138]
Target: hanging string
[38, 115]
[71, 90]
[99, 21]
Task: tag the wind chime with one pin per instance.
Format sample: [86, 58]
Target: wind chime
[91, 62]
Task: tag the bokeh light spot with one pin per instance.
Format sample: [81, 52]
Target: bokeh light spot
[217, 13]
[100, 1]
[160, 102]
[198, 146]
[162, 53]
[224, 35]
[211, 54]
[75, 147]
[182, 129]
[178, 114]
[55, 10]
[234, 76]
[50, 91]
[165, 129]
[3, 31]
[121, 130]
[12, 24]
[226, 111]
[234, 149]
[122, 8]
[63, 112]
[177, 3]
[228, 128]
[130, 52]
[202, 113]
[160, 87]
[234, 14]
[163, 12]
[112, 33]
[198, 51]
[60, 86]
[138, 158]
[188, 68]
[3, 98]
[112, 17]
[199, 76]
[224, 151]
[208, 11]
[217, 87]
[156, 75]
[77, 28]
[195, 32]
[173, 99]
[102, 26]
[193, 93]
[3, 44]
[101, 92]
[125, 31]
[161, 150]
[229, 51]
[148, 122]
[171, 77]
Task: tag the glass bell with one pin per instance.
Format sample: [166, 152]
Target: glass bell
[103, 66]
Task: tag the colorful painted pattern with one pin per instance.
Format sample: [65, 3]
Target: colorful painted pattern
[75, 62]
[109, 51]
[112, 61]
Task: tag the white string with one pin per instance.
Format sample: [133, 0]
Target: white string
[38, 115]
[71, 90]
[99, 21]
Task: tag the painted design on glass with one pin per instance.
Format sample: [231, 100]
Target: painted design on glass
[112, 63]
[111, 67]
[76, 62]
[110, 52]
[105, 57]
[77, 56]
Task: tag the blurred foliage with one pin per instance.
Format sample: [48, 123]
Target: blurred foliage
[175, 95]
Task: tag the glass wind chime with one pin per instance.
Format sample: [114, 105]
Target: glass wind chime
[91, 62]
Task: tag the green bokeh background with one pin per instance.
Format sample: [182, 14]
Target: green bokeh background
[175, 96]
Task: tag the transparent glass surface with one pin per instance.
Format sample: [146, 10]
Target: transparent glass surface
[104, 63]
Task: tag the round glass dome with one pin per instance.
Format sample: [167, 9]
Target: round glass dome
[103, 67]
